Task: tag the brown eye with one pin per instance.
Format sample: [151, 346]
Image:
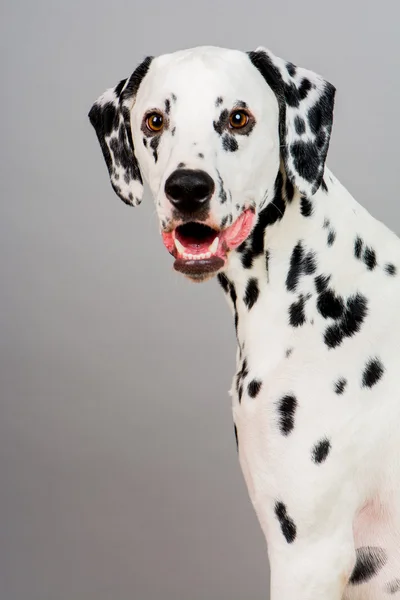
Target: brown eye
[238, 119]
[155, 122]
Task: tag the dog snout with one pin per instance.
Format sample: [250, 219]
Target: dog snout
[189, 190]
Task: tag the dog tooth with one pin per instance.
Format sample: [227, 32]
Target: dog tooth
[179, 247]
[214, 246]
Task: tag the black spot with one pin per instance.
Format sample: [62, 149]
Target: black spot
[291, 94]
[289, 190]
[358, 244]
[229, 143]
[200, 155]
[331, 237]
[295, 269]
[287, 524]
[104, 118]
[154, 145]
[321, 451]
[372, 373]
[254, 387]
[224, 282]
[222, 192]
[286, 409]
[167, 106]
[291, 69]
[181, 165]
[251, 293]
[329, 305]
[369, 560]
[273, 212]
[240, 376]
[321, 283]
[306, 207]
[320, 114]
[232, 292]
[304, 88]
[306, 160]
[350, 323]
[390, 269]
[323, 185]
[145, 142]
[236, 437]
[297, 316]
[222, 122]
[288, 352]
[233, 295]
[393, 586]
[224, 222]
[340, 385]
[173, 97]
[299, 125]
[369, 258]
[247, 259]
[173, 131]
[267, 260]
[219, 101]
[326, 223]
[309, 263]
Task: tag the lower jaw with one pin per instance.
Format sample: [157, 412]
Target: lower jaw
[199, 270]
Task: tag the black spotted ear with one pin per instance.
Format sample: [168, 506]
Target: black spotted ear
[306, 103]
[110, 116]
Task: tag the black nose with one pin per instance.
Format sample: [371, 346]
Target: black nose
[189, 190]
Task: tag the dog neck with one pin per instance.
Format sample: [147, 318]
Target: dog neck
[274, 279]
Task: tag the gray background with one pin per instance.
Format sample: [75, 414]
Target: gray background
[118, 470]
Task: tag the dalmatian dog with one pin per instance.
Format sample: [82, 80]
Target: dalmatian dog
[233, 146]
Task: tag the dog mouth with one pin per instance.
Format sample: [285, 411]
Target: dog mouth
[201, 250]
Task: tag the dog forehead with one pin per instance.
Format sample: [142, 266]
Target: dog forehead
[204, 73]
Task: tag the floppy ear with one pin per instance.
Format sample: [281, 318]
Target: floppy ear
[110, 115]
[306, 104]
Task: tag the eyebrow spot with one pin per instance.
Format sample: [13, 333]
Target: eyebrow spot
[220, 125]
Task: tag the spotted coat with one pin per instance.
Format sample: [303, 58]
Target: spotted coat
[314, 290]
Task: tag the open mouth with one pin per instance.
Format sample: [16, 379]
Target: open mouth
[200, 250]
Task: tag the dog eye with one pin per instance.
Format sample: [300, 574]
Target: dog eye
[155, 122]
[238, 119]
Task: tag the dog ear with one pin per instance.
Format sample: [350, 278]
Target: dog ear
[306, 103]
[110, 116]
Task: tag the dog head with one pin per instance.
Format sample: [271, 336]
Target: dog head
[208, 129]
